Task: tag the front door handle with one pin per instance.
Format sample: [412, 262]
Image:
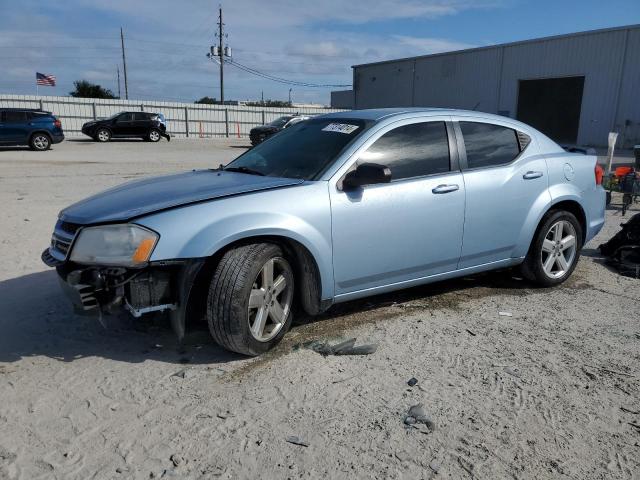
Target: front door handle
[531, 174]
[445, 188]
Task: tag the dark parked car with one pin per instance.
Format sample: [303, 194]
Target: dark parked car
[261, 133]
[145, 125]
[23, 126]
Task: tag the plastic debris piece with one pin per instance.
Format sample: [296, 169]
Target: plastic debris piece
[297, 441]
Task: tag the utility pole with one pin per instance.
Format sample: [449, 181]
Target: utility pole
[124, 64]
[290, 96]
[118, 68]
[221, 54]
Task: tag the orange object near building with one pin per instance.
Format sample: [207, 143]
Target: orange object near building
[622, 171]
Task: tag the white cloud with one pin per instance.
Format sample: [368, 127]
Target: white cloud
[431, 45]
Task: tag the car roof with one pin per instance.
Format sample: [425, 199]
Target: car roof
[12, 109]
[377, 114]
[388, 114]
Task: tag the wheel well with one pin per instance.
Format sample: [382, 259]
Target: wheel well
[40, 132]
[575, 208]
[306, 273]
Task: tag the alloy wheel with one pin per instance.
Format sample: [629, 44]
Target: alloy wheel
[103, 136]
[154, 136]
[270, 300]
[559, 249]
[41, 142]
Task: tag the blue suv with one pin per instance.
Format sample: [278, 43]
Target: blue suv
[36, 128]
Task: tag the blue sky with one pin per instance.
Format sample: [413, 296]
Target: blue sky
[307, 41]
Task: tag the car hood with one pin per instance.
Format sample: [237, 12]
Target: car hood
[142, 197]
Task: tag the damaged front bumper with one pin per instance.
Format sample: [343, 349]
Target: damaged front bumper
[158, 287]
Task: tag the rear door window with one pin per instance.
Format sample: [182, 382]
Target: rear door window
[413, 150]
[140, 116]
[14, 117]
[489, 145]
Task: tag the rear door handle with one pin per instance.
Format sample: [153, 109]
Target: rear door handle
[531, 175]
[445, 188]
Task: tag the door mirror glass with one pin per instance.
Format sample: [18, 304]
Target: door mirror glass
[366, 174]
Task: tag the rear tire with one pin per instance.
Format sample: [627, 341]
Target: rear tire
[103, 135]
[154, 135]
[555, 249]
[250, 299]
[40, 142]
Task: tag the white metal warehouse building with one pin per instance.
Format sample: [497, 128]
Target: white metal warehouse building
[576, 88]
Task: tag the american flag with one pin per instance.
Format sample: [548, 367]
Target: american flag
[45, 79]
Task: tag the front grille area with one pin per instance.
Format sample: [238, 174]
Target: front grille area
[70, 228]
[60, 245]
[62, 238]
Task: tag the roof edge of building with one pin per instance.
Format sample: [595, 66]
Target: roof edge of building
[503, 45]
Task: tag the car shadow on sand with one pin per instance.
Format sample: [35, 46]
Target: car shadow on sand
[113, 140]
[36, 319]
[16, 148]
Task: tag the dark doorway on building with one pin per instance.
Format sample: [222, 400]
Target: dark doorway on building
[552, 105]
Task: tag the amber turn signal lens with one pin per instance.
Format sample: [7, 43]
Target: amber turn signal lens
[143, 251]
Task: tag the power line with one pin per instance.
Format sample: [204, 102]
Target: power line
[283, 80]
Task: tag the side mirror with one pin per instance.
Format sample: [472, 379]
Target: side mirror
[366, 174]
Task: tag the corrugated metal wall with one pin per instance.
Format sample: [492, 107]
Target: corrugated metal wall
[183, 119]
[384, 85]
[487, 79]
[342, 99]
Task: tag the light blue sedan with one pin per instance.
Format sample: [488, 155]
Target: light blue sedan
[336, 208]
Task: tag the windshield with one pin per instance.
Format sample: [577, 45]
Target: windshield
[280, 121]
[303, 150]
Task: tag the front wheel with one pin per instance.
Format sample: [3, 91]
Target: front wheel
[103, 135]
[555, 249]
[250, 299]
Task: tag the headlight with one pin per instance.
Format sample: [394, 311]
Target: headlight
[124, 245]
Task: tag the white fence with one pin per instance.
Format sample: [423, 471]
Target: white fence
[183, 119]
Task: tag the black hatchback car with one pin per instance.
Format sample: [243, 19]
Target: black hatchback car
[145, 125]
[23, 126]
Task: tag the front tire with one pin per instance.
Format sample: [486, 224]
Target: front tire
[40, 142]
[555, 249]
[103, 135]
[250, 299]
[154, 135]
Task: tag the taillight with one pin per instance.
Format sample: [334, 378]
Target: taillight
[57, 123]
[599, 173]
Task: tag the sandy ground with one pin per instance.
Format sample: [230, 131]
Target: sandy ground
[551, 391]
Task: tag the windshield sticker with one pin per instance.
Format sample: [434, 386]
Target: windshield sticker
[340, 128]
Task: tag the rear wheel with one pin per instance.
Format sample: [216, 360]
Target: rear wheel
[40, 142]
[154, 135]
[250, 299]
[103, 135]
[555, 249]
